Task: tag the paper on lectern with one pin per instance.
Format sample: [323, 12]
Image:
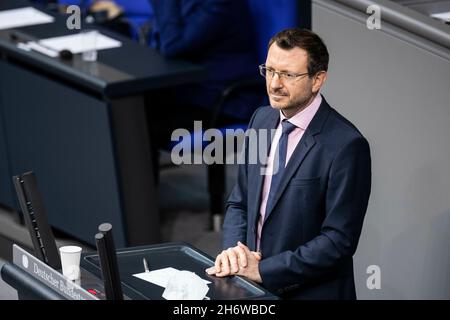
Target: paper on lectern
[185, 285]
[159, 277]
[81, 42]
[23, 17]
[178, 283]
[442, 16]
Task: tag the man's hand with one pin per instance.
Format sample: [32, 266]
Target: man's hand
[237, 261]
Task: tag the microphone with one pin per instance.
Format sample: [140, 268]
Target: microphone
[108, 262]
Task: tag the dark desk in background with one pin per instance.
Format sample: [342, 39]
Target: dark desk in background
[180, 256]
[81, 127]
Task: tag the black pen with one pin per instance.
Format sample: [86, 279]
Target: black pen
[145, 265]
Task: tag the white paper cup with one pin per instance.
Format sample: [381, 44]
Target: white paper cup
[89, 45]
[70, 261]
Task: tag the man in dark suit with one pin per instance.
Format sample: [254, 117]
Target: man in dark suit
[296, 228]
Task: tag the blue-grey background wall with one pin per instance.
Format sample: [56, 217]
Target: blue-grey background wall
[394, 85]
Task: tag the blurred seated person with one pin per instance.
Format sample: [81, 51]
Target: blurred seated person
[111, 9]
[215, 34]
[107, 13]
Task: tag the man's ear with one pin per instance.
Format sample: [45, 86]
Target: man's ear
[318, 81]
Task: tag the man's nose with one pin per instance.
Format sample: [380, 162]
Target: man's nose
[275, 82]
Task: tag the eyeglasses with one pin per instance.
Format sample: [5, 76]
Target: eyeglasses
[288, 76]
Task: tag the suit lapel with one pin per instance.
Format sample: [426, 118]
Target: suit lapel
[300, 152]
[303, 147]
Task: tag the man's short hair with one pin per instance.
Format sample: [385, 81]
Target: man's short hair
[307, 40]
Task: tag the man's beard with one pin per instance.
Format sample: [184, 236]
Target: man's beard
[298, 104]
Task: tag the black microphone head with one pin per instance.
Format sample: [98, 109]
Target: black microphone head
[66, 54]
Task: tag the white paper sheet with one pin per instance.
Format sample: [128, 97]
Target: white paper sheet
[81, 42]
[36, 47]
[185, 285]
[23, 17]
[442, 16]
[161, 277]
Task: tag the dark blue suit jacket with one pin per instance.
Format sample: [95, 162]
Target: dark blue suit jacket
[216, 34]
[311, 233]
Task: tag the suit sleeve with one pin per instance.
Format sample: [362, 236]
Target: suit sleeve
[235, 223]
[187, 34]
[349, 184]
